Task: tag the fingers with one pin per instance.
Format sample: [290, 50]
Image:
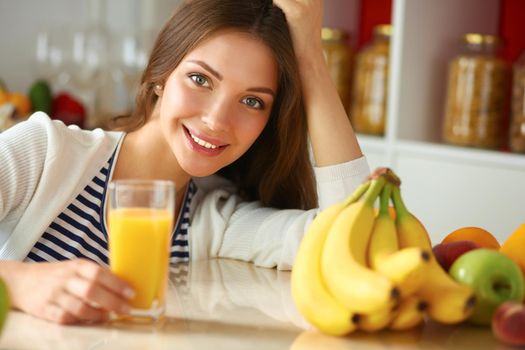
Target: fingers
[71, 292]
[93, 272]
[97, 295]
[290, 8]
[304, 18]
[298, 8]
[75, 309]
[97, 287]
[57, 314]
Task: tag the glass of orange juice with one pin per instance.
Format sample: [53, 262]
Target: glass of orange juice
[140, 222]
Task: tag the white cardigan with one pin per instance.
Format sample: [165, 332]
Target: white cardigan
[44, 165]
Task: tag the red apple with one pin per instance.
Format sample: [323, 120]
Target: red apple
[508, 323]
[447, 253]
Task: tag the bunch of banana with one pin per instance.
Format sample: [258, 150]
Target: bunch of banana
[448, 301]
[405, 267]
[343, 259]
[309, 290]
[362, 269]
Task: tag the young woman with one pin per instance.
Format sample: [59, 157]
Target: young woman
[235, 96]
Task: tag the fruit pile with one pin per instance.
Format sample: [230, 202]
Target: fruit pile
[365, 268]
[16, 106]
[356, 269]
[473, 257]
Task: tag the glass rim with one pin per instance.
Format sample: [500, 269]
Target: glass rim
[141, 183]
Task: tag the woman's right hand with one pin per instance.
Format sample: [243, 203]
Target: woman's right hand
[305, 18]
[74, 291]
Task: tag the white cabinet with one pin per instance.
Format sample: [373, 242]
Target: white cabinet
[447, 187]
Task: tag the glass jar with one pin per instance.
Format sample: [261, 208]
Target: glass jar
[338, 55]
[517, 126]
[476, 94]
[370, 87]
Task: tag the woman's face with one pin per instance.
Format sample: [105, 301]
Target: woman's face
[218, 100]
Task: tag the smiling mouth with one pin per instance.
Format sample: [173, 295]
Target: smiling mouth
[203, 143]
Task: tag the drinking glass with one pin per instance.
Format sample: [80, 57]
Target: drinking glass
[140, 222]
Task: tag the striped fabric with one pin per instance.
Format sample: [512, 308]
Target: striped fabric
[180, 251]
[79, 231]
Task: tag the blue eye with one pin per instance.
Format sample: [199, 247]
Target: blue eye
[199, 79]
[253, 102]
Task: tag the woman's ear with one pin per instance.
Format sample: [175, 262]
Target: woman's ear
[158, 89]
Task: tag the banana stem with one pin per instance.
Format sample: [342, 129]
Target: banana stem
[401, 209]
[374, 190]
[385, 199]
[358, 193]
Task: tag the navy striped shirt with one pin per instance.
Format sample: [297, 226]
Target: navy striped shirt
[80, 231]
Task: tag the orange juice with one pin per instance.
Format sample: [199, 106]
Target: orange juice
[139, 251]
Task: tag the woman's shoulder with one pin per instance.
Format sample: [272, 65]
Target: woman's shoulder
[57, 128]
[40, 128]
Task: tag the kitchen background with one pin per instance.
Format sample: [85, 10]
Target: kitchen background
[78, 44]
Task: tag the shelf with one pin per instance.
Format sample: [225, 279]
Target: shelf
[372, 143]
[446, 186]
[448, 194]
[455, 154]
[425, 37]
[464, 155]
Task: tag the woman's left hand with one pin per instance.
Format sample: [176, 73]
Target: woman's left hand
[305, 18]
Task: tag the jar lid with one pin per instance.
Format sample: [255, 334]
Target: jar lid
[383, 29]
[333, 34]
[482, 39]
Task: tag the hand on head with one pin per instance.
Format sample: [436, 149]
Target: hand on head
[305, 19]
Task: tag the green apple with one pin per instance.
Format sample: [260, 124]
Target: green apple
[4, 303]
[494, 277]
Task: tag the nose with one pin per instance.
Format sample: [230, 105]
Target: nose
[218, 116]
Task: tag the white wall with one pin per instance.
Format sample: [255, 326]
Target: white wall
[20, 21]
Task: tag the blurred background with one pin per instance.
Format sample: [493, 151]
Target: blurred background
[81, 60]
[88, 54]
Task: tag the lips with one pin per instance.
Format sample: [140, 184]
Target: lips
[204, 144]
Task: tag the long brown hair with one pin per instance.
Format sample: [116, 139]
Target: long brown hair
[276, 169]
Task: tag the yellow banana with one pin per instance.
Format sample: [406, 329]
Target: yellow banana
[375, 321]
[410, 231]
[383, 239]
[309, 292]
[406, 267]
[343, 260]
[448, 301]
[409, 314]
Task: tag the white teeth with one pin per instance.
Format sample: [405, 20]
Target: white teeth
[202, 142]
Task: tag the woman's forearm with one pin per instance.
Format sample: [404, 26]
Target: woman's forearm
[331, 134]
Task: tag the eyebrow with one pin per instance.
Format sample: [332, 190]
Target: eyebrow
[218, 75]
[208, 68]
[263, 90]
